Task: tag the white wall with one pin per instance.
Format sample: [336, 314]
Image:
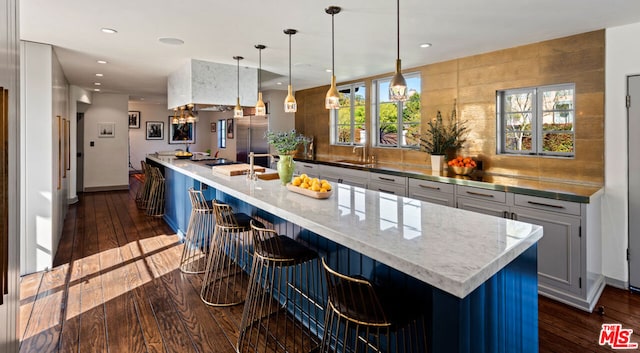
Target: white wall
[140, 146]
[44, 92]
[76, 94]
[10, 79]
[106, 163]
[622, 59]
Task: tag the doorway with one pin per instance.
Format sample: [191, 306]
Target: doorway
[80, 152]
[633, 156]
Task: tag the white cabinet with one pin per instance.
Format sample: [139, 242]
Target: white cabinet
[432, 191]
[353, 177]
[390, 184]
[569, 265]
[310, 169]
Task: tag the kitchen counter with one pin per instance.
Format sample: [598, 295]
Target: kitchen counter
[553, 189]
[452, 249]
[473, 276]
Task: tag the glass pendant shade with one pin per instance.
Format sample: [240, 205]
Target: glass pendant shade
[290, 105]
[398, 86]
[174, 121]
[261, 109]
[332, 100]
[237, 111]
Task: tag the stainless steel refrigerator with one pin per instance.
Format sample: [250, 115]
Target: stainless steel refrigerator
[250, 138]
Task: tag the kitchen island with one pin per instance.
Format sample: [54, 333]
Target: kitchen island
[474, 275]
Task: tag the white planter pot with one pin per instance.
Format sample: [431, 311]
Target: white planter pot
[436, 162]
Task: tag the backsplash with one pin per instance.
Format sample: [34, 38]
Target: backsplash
[473, 81]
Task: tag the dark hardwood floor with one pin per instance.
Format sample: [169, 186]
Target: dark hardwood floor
[116, 288]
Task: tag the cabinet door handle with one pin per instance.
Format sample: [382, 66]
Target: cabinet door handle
[514, 216]
[429, 187]
[505, 214]
[387, 191]
[479, 194]
[340, 181]
[386, 179]
[544, 204]
[307, 166]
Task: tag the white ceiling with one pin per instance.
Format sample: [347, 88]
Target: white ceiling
[216, 30]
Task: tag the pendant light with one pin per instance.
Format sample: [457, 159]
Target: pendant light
[398, 85]
[332, 100]
[290, 105]
[190, 115]
[237, 111]
[261, 109]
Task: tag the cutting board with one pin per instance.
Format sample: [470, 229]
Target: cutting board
[235, 169]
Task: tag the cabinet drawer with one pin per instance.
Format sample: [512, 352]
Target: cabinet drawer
[388, 179]
[389, 188]
[312, 170]
[426, 185]
[541, 203]
[481, 194]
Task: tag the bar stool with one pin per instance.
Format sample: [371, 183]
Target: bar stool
[278, 316]
[142, 196]
[199, 231]
[362, 318]
[225, 280]
[155, 204]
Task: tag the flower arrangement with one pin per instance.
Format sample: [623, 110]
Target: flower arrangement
[441, 136]
[284, 142]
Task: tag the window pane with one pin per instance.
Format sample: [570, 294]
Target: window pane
[411, 135]
[518, 121]
[388, 122]
[518, 141]
[561, 99]
[518, 102]
[557, 142]
[344, 133]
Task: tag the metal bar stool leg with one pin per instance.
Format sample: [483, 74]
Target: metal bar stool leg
[155, 205]
[279, 311]
[198, 237]
[145, 189]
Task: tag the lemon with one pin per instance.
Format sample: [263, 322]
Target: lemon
[303, 176]
[315, 187]
[326, 186]
[324, 181]
[323, 190]
[296, 181]
[304, 185]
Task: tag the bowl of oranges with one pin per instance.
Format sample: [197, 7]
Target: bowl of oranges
[462, 165]
[312, 187]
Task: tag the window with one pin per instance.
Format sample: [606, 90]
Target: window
[537, 121]
[349, 120]
[397, 123]
[222, 133]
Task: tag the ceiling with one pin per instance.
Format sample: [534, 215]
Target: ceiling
[365, 35]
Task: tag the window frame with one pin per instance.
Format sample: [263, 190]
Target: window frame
[222, 133]
[537, 121]
[334, 116]
[375, 108]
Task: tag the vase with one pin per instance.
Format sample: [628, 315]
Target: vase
[437, 160]
[285, 168]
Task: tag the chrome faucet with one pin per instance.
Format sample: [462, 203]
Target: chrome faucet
[363, 156]
[252, 172]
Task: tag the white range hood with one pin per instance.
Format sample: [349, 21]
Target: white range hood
[206, 83]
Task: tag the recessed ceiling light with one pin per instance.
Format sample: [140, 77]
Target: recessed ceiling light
[278, 83]
[141, 98]
[97, 89]
[97, 83]
[171, 41]
[425, 45]
[99, 75]
[101, 62]
[328, 70]
[108, 30]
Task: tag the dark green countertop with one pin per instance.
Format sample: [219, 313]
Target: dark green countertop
[552, 189]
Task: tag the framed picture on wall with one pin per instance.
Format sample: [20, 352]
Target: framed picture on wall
[182, 133]
[134, 120]
[106, 129]
[230, 129]
[155, 130]
[213, 127]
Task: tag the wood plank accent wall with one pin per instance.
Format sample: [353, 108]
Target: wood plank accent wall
[473, 81]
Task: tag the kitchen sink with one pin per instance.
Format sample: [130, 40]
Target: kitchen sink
[354, 162]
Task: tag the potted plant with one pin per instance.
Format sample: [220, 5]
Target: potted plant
[285, 143]
[442, 136]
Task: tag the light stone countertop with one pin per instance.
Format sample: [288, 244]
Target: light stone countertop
[448, 248]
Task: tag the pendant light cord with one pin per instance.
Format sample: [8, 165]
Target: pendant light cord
[290, 59]
[259, 69]
[398, 23]
[238, 60]
[333, 49]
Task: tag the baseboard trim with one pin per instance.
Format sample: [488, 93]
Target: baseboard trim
[107, 188]
[616, 283]
[72, 200]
